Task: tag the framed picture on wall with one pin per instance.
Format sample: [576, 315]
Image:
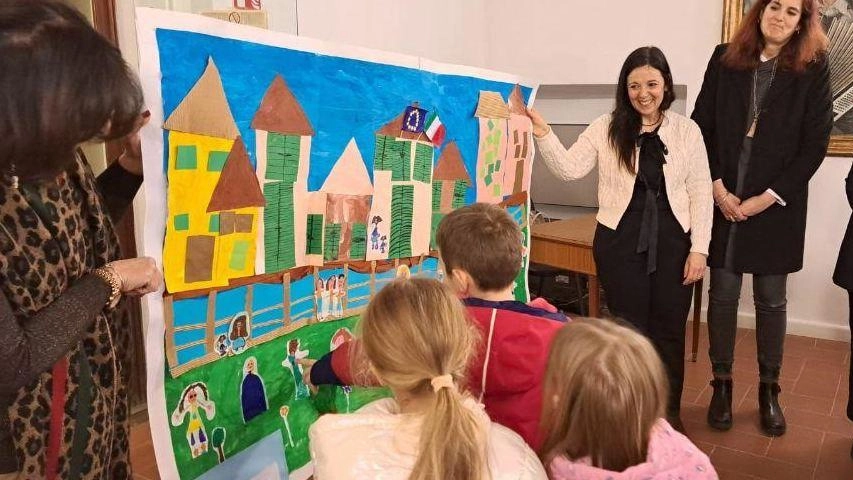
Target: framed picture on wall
[838, 22]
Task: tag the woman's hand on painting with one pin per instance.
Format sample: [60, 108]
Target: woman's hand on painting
[694, 267]
[131, 158]
[754, 205]
[540, 126]
[137, 276]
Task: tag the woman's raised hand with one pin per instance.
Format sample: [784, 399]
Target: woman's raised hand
[540, 126]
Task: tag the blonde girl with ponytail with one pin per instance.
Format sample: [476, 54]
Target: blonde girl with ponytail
[417, 341]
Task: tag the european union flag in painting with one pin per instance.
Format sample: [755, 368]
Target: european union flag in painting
[413, 119]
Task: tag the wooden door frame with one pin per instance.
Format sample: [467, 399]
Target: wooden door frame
[104, 19]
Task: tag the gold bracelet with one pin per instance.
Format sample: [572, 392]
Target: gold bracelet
[109, 275]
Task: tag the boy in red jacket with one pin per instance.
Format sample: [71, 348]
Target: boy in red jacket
[481, 248]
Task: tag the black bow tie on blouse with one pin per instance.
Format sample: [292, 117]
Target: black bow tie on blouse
[650, 172]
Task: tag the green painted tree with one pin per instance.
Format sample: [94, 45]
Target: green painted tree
[217, 440]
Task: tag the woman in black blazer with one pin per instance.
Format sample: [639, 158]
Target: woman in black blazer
[843, 277]
[765, 111]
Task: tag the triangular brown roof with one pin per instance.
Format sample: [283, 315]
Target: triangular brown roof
[238, 186]
[491, 105]
[280, 112]
[205, 110]
[516, 101]
[450, 165]
[394, 128]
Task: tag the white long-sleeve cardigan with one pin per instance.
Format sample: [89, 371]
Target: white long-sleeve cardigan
[688, 179]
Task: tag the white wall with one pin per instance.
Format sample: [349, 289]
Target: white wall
[451, 31]
[557, 41]
[575, 42]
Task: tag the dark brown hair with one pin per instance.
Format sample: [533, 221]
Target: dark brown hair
[806, 46]
[483, 240]
[625, 121]
[61, 83]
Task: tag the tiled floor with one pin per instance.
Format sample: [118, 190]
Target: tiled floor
[814, 396]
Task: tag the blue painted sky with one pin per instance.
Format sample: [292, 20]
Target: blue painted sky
[342, 98]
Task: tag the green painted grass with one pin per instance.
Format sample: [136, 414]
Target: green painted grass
[223, 379]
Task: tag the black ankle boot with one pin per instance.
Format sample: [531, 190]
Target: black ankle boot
[772, 419]
[720, 409]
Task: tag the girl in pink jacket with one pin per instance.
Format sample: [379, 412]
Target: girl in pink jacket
[604, 400]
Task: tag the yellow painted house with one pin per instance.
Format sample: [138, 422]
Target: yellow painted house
[213, 194]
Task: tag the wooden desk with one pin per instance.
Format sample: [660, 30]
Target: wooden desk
[567, 244]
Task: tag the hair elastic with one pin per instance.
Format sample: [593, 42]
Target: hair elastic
[442, 381]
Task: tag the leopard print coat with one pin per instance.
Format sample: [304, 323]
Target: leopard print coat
[51, 234]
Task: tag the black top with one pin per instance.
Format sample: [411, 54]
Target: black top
[650, 179]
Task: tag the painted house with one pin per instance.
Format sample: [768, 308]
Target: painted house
[493, 114]
[201, 134]
[517, 164]
[449, 185]
[234, 207]
[402, 173]
[348, 193]
[283, 148]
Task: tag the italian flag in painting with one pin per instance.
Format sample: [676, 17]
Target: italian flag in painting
[434, 129]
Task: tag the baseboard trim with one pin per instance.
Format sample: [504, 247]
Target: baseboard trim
[797, 326]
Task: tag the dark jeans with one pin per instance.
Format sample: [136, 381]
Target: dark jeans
[656, 304]
[768, 292]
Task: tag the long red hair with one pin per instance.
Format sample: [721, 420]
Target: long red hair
[805, 47]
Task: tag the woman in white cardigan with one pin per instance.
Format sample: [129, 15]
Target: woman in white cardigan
[655, 205]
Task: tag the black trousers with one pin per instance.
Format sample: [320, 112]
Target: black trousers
[657, 304]
[850, 388]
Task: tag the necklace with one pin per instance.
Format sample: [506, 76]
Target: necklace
[653, 123]
[756, 107]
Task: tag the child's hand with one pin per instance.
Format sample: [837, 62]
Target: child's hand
[543, 304]
[307, 364]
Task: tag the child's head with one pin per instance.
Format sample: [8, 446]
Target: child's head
[418, 342]
[604, 390]
[480, 243]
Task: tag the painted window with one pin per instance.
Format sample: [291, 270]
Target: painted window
[314, 240]
[187, 158]
[423, 162]
[216, 161]
[230, 222]
[358, 246]
[182, 222]
[332, 242]
[282, 157]
[279, 233]
[460, 187]
[402, 200]
[239, 255]
[436, 196]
